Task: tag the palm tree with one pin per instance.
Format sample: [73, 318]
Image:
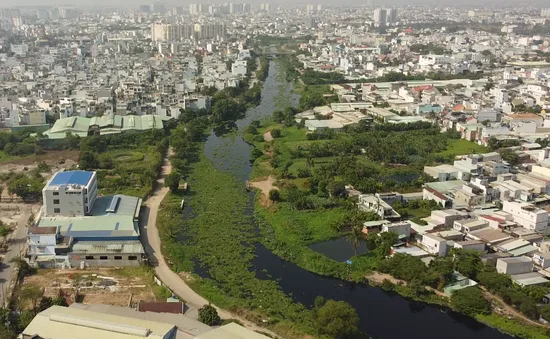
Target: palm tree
[356, 236]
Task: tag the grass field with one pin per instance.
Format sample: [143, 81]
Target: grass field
[463, 147]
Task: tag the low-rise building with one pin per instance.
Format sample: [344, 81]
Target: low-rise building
[527, 215]
[434, 245]
[512, 266]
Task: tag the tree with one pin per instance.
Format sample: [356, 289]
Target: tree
[209, 315]
[467, 263]
[26, 187]
[88, 160]
[470, 301]
[276, 133]
[274, 195]
[25, 319]
[31, 293]
[356, 236]
[172, 181]
[227, 110]
[105, 161]
[337, 319]
[336, 188]
[510, 156]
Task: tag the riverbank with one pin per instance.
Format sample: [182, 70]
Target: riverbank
[300, 216]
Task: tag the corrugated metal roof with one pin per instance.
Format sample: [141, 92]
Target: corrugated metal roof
[512, 245]
[231, 331]
[531, 278]
[127, 205]
[93, 226]
[69, 323]
[523, 250]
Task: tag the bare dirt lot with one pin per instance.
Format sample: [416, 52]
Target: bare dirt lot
[119, 287]
[56, 159]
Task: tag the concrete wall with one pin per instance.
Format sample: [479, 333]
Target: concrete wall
[110, 261]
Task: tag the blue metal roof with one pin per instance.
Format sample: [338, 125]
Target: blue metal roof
[71, 177]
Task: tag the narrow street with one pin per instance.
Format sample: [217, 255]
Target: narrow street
[151, 242]
[16, 246]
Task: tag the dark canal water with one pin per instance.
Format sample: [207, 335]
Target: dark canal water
[382, 314]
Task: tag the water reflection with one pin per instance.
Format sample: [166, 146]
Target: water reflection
[382, 314]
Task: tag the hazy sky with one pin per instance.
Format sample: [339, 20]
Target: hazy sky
[136, 3]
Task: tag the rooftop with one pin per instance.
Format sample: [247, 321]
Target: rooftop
[71, 178]
[59, 322]
[527, 279]
[231, 331]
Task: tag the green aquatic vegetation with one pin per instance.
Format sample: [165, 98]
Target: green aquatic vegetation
[220, 238]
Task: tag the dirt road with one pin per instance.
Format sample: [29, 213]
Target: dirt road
[152, 243]
[17, 244]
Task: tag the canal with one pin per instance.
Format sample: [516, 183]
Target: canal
[382, 314]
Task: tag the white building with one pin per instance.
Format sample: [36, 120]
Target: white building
[19, 49]
[434, 245]
[239, 67]
[517, 265]
[432, 59]
[42, 240]
[527, 215]
[70, 193]
[399, 228]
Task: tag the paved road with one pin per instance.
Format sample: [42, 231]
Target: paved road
[16, 245]
[151, 241]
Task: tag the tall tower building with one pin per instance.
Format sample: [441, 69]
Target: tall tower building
[391, 16]
[380, 16]
[193, 9]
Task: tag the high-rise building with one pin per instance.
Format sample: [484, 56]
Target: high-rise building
[545, 12]
[66, 13]
[319, 8]
[171, 32]
[310, 8]
[236, 8]
[18, 21]
[380, 16]
[246, 8]
[391, 16]
[206, 9]
[178, 10]
[310, 22]
[206, 31]
[265, 7]
[193, 9]
[42, 14]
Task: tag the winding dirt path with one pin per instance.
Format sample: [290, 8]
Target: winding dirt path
[152, 244]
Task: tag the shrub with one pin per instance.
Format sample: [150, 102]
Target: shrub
[274, 195]
[470, 301]
[276, 133]
[209, 315]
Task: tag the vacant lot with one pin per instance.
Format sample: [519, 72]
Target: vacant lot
[117, 286]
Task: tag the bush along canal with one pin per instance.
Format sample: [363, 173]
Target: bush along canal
[221, 242]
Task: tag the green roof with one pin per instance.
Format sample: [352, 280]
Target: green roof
[107, 124]
[112, 216]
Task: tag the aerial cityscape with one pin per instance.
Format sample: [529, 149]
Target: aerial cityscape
[284, 170]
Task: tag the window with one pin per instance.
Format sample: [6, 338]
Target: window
[89, 257]
[55, 193]
[56, 201]
[103, 257]
[118, 257]
[132, 257]
[57, 210]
